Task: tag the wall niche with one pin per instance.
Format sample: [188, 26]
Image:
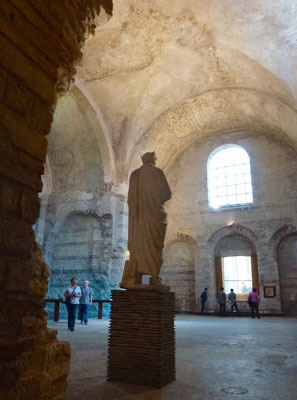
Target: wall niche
[287, 264]
[178, 272]
[81, 249]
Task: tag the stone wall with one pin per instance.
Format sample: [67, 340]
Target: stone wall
[40, 41]
[82, 249]
[178, 272]
[287, 261]
[196, 235]
[274, 173]
[78, 206]
[233, 245]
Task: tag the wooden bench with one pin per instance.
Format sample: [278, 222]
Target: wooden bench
[57, 303]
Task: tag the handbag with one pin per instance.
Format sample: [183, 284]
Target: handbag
[67, 299]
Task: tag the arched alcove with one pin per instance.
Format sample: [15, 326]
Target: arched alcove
[231, 230]
[78, 244]
[287, 264]
[236, 265]
[79, 249]
[178, 272]
[233, 241]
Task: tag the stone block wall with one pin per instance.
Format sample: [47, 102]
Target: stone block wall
[274, 173]
[178, 272]
[40, 41]
[234, 245]
[82, 249]
[287, 261]
[79, 209]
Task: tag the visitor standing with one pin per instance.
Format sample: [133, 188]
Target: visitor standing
[72, 295]
[233, 302]
[222, 302]
[203, 300]
[85, 302]
[253, 301]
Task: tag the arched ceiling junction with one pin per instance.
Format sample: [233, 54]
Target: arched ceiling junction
[162, 73]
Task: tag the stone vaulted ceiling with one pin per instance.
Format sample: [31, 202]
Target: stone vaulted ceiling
[161, 73]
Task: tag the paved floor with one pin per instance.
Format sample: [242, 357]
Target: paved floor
[217, 358]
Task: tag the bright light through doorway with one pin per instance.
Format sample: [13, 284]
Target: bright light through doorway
[237, 274]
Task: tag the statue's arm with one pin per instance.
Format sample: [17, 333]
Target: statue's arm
[166, 192]
[132, 193]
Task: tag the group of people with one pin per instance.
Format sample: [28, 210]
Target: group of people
[253, 301]
[77, 298]
[81, 299]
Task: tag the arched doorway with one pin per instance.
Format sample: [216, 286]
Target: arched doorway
[287, 264]
[236, 265]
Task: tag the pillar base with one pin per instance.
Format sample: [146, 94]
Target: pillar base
[142, 338]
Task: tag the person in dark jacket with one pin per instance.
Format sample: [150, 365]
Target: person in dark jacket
[222, 302]
[203, 300]
[233, 303]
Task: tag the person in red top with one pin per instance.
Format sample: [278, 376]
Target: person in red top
[253, 301]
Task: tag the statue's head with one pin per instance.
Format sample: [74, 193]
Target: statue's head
[149, 158]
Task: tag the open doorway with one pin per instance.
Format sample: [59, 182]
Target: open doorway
[236, 266]
[237, 275]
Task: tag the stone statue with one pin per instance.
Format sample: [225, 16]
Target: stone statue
[148, 191]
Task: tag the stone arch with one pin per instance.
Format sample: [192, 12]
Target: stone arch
[80, 208]
[78, 235]
[41, 46]
[99, 128]
[78, 162]
[283, 247]
[278, 236]
[179, 237]
[234, 229]
[235, 109]
[178, 269]
[214, 262]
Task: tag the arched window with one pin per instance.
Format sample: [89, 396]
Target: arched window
[229, 178]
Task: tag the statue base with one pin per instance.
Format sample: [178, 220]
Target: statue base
[131, 279]
[145, 288]
[142, 338]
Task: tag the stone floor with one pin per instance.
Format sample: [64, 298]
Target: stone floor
[217, 358]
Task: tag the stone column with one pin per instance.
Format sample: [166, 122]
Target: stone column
[39, 45]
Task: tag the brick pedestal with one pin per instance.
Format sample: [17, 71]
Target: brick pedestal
[142, 338]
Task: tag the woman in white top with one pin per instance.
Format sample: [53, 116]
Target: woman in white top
[72, 295]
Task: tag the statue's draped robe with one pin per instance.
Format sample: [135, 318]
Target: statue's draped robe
[148, 191]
